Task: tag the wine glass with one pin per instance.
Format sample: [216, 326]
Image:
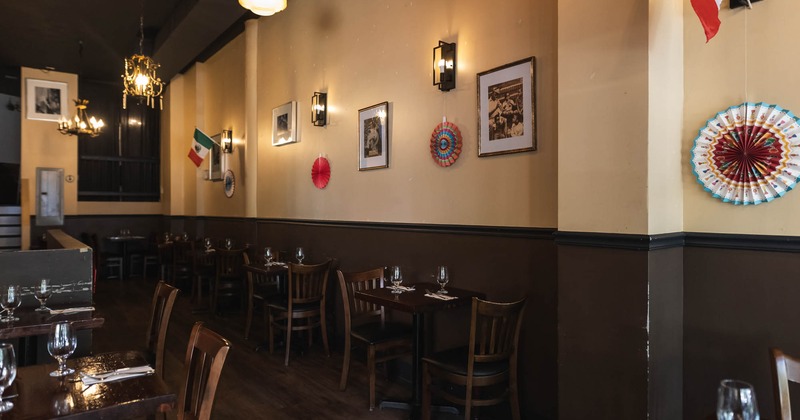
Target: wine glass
[268, 256]
[442, 277]
[42, 293]
[396, 277]
[228, 243]
[10, 300]
[185, 237]
[167, 237]
[300, 254]
[61, 344]
[736, 400]
[207, 244]
[8, 372]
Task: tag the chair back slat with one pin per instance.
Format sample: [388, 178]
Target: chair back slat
[230, 262]
[359, 311]
[494, 330]
[307, 282]
[785, 369]
[205, 357]
[163, 302]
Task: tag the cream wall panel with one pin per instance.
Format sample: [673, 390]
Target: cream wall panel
[363, 52]
[603, 116]
[747, 60]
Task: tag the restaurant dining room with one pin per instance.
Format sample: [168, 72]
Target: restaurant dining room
[387, 209]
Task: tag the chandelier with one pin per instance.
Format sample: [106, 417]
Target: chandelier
[81, 123]
[140, 76]
[264, 7]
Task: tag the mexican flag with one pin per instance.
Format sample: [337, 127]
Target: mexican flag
[200, 147]
[708, 12]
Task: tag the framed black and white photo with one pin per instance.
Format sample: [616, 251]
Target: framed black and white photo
[46, 100]
[507, 108]
[284, 124]
[215, 160]
[373, 137]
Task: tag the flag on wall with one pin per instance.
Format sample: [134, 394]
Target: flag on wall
[708, 12]
[199, 150]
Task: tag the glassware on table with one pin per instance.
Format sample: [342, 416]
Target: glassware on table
[8, 372]
[185, 236]
[396, 277]
[42, 293]
[268, 256]
[300, 254]
[442, 277]
[10, 300]
[736, 400]
[228, 243]
[61, 344]
[207, 244]
[167, 237]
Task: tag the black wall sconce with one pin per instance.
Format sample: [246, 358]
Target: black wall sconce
[227, 141]
[742, 3]
[444, 66]
[319, 109]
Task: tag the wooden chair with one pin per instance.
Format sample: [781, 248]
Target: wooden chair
[307, 285]
[182, 262]
[261, 287]
[365, 323]
[489, 359]
[163, 301]
[785, 369]
[204, 273]
[205, 357]
[229, 279]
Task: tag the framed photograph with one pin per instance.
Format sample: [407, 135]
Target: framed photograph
[373, 137]
[284, 124]
[507, 109]
[46, 100]
[215, 162]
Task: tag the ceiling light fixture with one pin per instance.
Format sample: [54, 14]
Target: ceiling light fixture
[263, 7]
[140, 76]
[82, 123]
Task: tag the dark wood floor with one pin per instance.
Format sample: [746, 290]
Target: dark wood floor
[254, 385]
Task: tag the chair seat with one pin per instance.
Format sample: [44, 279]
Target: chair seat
[455, 361]
[374, 333]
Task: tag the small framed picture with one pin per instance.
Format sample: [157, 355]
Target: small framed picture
[507, 109]
[46, 100]
[284, 124]
[215, 161]
[373, 137]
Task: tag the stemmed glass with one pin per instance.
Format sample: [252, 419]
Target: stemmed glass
[167, 237]
[42, 293]
[736, 400]
[268, 256]
[228, 243]
[185, 237]
[442, 277]
[300, 254]
[61, 344]
[8, 372]
[396, 277]
[10, 300]
[207, 244]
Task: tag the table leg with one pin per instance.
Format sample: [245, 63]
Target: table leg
[417, 351]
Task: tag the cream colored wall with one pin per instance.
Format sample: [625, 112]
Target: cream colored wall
[363, 52]
[747, 60]
[603, 127]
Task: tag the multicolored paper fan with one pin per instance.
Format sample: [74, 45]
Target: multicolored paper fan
[445, 143]
[748, 154]
[321, 172]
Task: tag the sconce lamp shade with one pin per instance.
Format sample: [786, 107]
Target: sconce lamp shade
[444, 66]
[263, 7]
[319, 109]
[227, 141]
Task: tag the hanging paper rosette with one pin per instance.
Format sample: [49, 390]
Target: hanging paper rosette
[445, 143]
[321, 172]
[748, 154]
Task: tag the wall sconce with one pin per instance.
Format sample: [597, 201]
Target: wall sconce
[227, 141]
[444, 66]
[319, 109]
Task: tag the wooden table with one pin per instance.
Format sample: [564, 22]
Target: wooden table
[32, 323]
[41, 396]
[416, 303]
[124, 240]
[263, 281]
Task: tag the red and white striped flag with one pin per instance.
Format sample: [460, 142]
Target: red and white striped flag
[708, 12]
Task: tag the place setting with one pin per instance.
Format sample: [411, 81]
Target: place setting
[442, 278]
[396, 278]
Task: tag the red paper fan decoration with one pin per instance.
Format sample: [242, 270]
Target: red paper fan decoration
[445, 143]
[321, 172]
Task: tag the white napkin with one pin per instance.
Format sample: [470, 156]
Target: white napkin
[117, 375]
[71, 310]
[402, 288]
[440, 296]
